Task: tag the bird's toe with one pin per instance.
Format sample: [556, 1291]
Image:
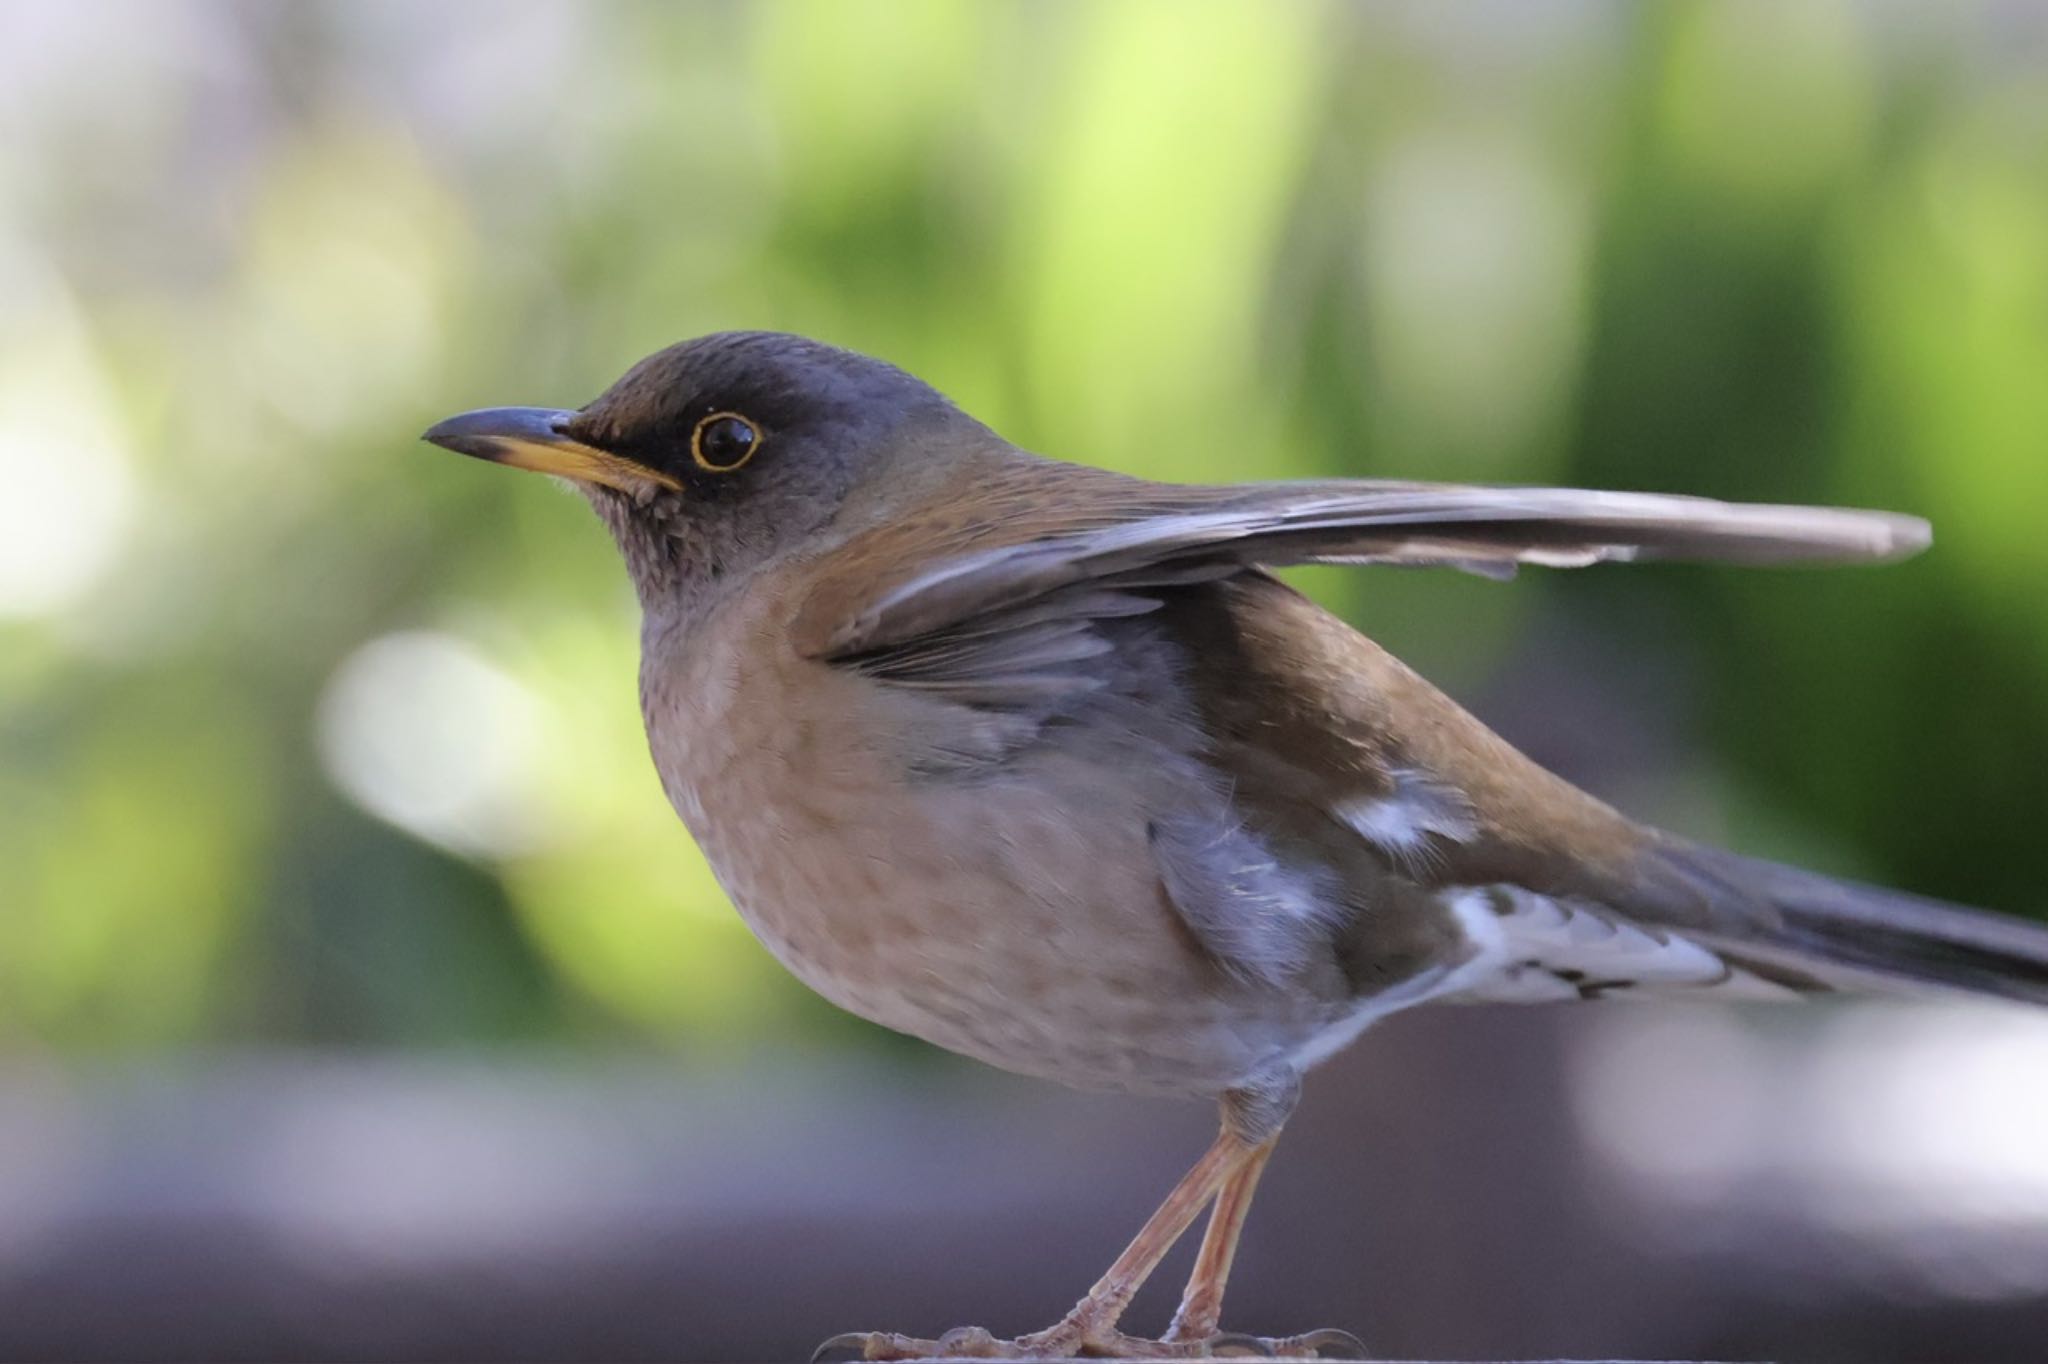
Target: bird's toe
[962, 1342]
[1328, 1343]
[860, 1345]
[970, 1342]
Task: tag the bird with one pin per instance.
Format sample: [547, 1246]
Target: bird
[1043, 764]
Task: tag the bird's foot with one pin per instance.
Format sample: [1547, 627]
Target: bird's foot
[962, 1342]
[1327, 1343]
[1070, 1339]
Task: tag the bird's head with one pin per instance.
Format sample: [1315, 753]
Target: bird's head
[713, 456]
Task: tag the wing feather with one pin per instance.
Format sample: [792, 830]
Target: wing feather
[1023, 530]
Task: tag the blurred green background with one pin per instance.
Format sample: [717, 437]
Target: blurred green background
[310, 734]
[360, 996]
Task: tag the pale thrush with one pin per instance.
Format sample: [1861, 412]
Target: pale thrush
[1042, 764]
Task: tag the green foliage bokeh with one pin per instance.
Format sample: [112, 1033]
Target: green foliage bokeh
[1746, 249]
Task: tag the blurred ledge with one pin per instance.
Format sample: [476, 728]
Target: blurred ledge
[1612, 1182]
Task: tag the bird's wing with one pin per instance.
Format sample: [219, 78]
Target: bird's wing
[990, 587]
[1003, 593]
[1011, 533]
[987, 588]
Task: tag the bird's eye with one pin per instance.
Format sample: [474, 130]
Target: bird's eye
[723, 442]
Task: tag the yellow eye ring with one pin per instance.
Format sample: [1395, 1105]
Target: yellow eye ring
[723, 442]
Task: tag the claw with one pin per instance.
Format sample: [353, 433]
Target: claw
[1328, 1343]
[852, 1345]
[1238, 1343]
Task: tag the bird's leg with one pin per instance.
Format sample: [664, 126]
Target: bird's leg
[1201, 1305]
[1090, 1328]
[1227, 1173]
[1257, 1116]
[1093, 1320]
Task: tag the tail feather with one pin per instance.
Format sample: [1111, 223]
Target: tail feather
[1817, 933]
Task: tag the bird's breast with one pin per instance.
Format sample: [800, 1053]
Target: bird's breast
[1016, 916]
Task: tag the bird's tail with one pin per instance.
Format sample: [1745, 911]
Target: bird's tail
[1816, 933]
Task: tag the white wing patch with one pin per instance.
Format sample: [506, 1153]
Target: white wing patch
[1533, 948]
[1403, 823]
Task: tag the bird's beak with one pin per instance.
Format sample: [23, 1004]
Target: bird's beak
[535, 438]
